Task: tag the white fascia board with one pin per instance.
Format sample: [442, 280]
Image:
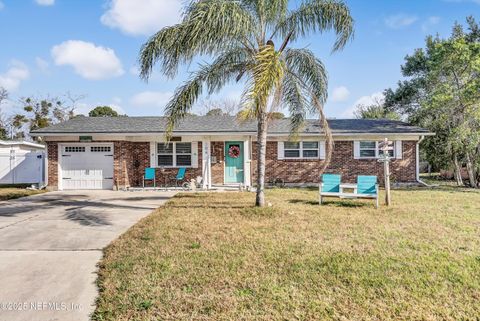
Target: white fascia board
[20, 143]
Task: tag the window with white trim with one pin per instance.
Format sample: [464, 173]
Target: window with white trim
[371, 149]
[174, 154]
[301, 150]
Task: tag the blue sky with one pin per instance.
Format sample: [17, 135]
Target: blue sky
[50, 47]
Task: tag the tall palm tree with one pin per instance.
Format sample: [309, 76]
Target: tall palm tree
[249, 39]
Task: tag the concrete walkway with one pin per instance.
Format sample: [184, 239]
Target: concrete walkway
[50, 245]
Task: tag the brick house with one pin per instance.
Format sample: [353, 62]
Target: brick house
[106, 153]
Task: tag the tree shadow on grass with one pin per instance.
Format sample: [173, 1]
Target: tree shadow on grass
[305, 202]
[191, 195]
[204, 206]
[340, 203]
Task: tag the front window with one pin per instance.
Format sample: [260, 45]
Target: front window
[291, 150]
[174, 154]
[310, 149]
[183, 154]
[368, 149]
[300, 149]
[372, 149]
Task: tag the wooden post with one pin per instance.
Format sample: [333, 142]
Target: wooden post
[386, 170]
[386, 166]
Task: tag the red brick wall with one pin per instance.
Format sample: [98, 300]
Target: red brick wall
[129, 161]
[307, 171]
[131, 158]
[218, 150]
[52, 171]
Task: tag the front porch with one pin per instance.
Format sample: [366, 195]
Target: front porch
[226, 162]
[214, 163]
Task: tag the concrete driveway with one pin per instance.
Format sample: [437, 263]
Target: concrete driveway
[50, 245]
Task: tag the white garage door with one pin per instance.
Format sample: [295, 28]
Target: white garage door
[87, 166]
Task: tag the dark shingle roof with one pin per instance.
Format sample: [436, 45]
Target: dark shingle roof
[219, 124]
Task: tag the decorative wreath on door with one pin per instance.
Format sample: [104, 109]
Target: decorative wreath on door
[234, 151]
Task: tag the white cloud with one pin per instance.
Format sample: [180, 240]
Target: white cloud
[42, 64]
[17, 72]
[377, 97]
[45, 2]
[134, 70]
[87, 59]
[1, 5]
[152, 99]
[431, 21]
[340, 94]
[117, 108]
[399, 21]
[141, 17]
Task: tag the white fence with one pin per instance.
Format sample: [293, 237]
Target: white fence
[19, 167]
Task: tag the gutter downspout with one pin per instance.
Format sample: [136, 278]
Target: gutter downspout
[417, 159]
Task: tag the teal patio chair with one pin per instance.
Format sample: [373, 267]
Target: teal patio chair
[367, 187]
[180, 176]
[330, 185]
[149, 175]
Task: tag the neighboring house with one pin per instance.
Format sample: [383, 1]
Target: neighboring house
[105, 153]
[21, 162]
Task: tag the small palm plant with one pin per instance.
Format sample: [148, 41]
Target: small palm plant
[249, 40]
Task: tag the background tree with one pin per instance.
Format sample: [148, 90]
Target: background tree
[250, 40]
[219, 106]
[42, 112]
[442, 93]
[103, 111]
[215, 112]
[376, 110]
[276, 115]
[17, 123]
[3, 121]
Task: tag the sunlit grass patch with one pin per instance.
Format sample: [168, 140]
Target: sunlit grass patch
[12, 193]
[213, 256]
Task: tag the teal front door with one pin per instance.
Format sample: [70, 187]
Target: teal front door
[234, 162]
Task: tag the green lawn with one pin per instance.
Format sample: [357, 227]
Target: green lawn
[212, 256]
[7, 193]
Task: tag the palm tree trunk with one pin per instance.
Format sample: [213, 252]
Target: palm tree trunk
[261, 154]
[457, 171]
[329, 144]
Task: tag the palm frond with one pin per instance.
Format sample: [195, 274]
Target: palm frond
[319, 16]
[209, 26]
[210, 77]
[308, 78]
[267, 12]
[310, 70]
[267, 74]
[294, 99]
